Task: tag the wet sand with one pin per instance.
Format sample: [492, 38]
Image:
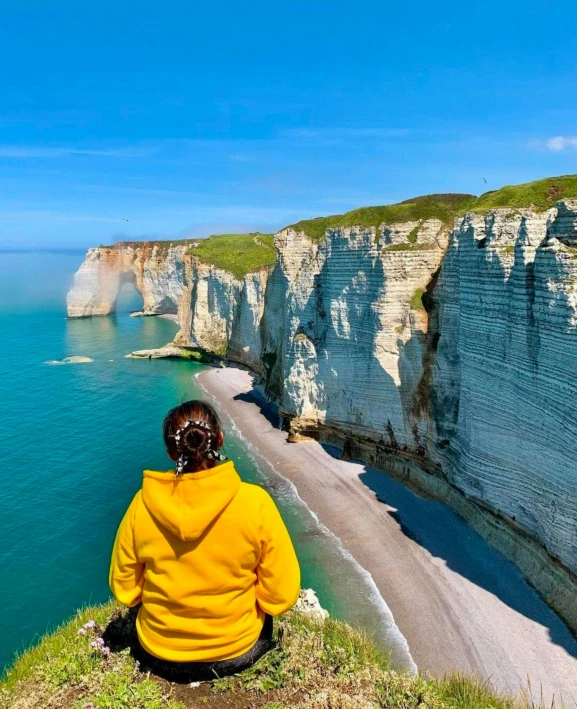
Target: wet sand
[169, 316]
[459, 604]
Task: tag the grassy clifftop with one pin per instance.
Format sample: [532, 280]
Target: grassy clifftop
[316, 665]
[540, 194]
[238, 254]
[435, 206]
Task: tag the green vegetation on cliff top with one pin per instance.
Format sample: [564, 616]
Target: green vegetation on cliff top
[434, 206]
[540, 194]
[316, 665]
[238, 254]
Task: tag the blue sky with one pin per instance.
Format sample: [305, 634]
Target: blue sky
[189, 118]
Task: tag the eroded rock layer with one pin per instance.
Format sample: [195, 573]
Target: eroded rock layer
[451, 351]
[503, 389]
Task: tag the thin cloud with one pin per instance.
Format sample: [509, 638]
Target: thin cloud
[242, 157]
[378, 133]
[558, 143]
[354, 202]
[55, 216]
[204, 229]
[152, 191]
[24, 152]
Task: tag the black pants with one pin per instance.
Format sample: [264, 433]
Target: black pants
[186, 672]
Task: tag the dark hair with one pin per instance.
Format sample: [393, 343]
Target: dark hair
[191, 432]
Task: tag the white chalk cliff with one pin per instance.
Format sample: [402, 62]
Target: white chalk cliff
[154, 269]
[449, 351]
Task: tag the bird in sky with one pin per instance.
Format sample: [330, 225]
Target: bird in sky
[125, 220]
[483, 178]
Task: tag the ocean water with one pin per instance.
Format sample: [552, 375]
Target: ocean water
[74, 440]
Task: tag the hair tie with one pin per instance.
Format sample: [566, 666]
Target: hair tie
[211, 453]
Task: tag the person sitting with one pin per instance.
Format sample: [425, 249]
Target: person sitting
[206, 555]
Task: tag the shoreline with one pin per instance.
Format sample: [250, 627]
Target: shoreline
[169, 316]
[459, 603]
[166, 316]
[330, 555]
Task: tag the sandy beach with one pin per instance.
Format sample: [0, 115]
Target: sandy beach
[459, 604]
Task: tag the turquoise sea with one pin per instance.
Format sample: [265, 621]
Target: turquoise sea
[74, 440]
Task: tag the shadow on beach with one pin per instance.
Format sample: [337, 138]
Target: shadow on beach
[266, 409]
[435, 527]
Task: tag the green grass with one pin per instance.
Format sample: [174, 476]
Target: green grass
[53, 660]
[320, 665]
[238, 254]
[417, 299]
[244, 253]
[413, 234]
[542, 194]
[435, 206]
[462, 692]
[427, 246]
[64, 660]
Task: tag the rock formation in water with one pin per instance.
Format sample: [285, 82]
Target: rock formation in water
[154, 269]
[445, 355]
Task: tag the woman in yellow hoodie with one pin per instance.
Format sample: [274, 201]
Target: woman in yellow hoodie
[206, 555]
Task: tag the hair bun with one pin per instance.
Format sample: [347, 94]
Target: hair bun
[196, 441]
[192, 434]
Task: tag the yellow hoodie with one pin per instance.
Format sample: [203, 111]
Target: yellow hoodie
[208, 556]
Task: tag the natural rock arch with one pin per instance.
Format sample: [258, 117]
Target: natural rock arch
[98, 282]
[128, 278]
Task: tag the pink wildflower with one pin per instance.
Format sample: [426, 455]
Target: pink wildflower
[82, 631]
[106, 651]
[90, 624]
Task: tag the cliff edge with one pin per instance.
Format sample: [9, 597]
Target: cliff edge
[317, 664]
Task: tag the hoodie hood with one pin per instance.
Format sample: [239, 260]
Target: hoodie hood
[187, 505]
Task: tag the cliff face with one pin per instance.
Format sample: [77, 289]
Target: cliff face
[482, 385]
[453, 350]
[354, 327]
[220, 314]
[502, 389]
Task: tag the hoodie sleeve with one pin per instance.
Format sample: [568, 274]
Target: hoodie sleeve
[278, 573]
[126, 577]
